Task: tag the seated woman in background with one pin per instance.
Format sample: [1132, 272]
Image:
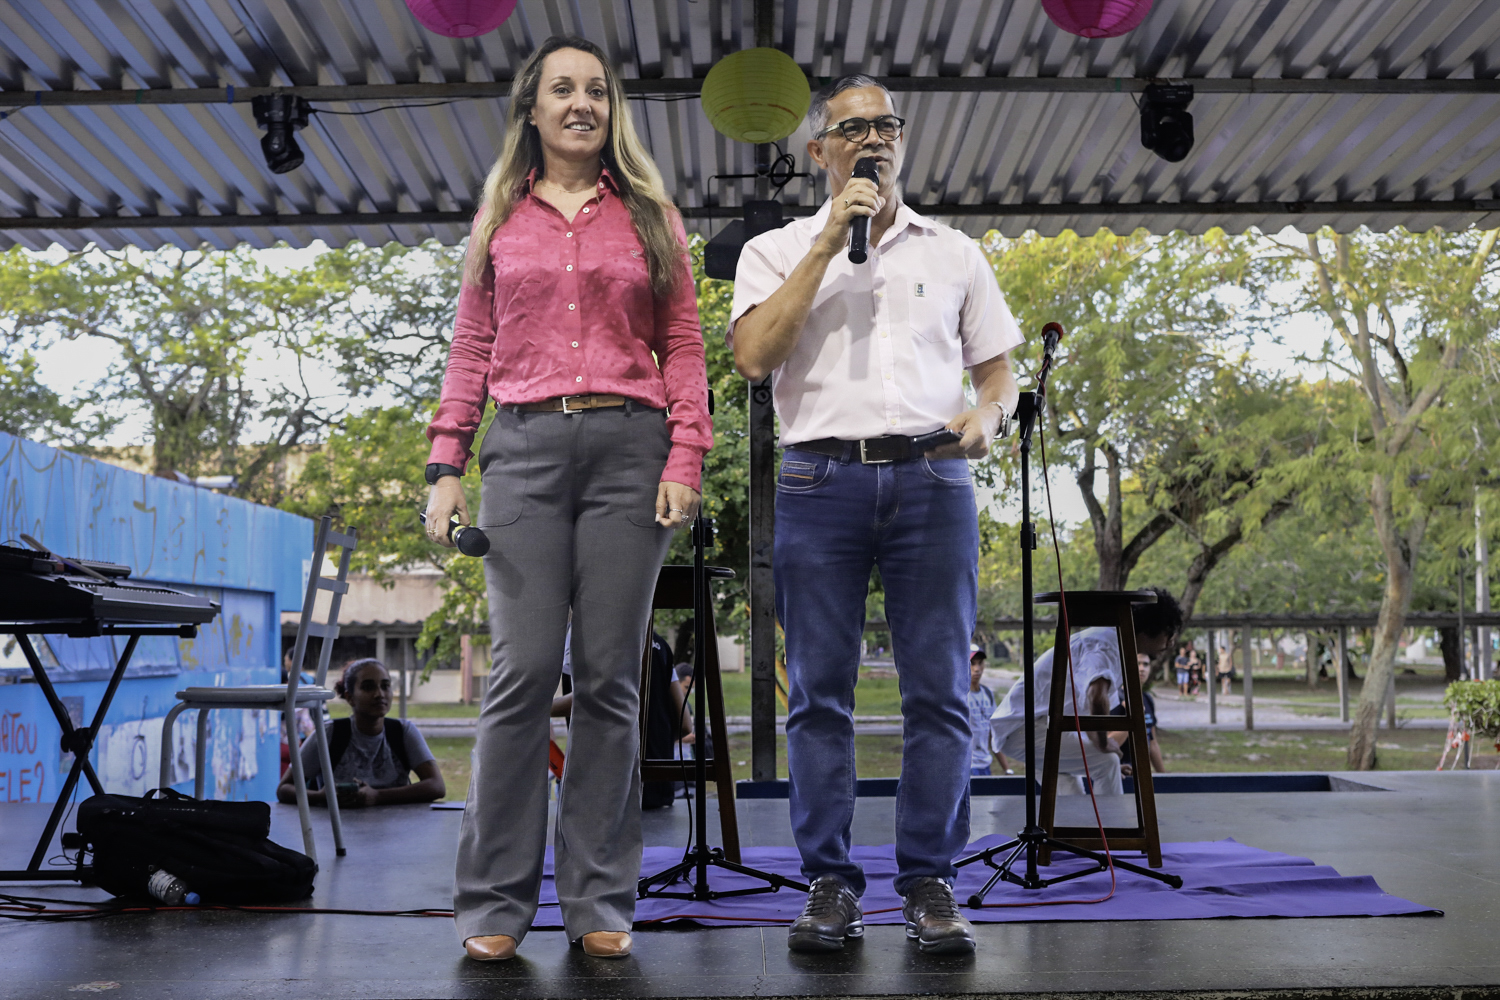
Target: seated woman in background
[372, 756]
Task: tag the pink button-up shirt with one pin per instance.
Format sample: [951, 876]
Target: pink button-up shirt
[566, 309]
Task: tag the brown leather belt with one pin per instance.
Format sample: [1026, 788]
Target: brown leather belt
[571, 404]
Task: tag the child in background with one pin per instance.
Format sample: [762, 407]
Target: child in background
[372, 756]
[981, 705]
[1153, 749]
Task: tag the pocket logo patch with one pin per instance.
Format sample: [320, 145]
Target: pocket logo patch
[921, 290]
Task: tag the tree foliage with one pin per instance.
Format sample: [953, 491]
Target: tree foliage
[1410, 315]
[232, 360]
[1155, 392]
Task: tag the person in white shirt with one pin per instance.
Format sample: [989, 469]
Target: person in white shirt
[1097, 684]
[864, 357]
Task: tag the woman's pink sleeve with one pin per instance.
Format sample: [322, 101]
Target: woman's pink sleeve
[679, 346]
[466, 381]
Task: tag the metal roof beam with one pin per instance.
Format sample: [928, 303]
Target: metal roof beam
[352, 93]
[1475, 206]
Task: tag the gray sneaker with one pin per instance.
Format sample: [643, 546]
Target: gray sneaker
[830, 915]
[933, 920]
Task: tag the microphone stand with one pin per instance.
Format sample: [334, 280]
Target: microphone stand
[700, 857]
[1032, 839]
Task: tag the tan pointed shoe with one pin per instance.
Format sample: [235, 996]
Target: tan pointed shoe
[607, 944]
[494, 948]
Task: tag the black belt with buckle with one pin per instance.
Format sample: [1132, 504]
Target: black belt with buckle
[870, 451]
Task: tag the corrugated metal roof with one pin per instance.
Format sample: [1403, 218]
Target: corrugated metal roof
[971, 150]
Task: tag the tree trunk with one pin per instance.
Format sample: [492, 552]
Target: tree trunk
[1109, 525]
[1452, 657]
[1400, 548]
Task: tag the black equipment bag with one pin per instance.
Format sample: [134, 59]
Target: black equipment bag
[219, 850]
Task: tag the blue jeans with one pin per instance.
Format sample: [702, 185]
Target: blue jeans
[916, 520]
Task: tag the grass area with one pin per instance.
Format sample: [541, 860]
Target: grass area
[452, 755]
[1197, 750]
[877, 693]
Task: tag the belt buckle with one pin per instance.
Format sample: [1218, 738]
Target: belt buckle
[569, 412]
[864, 458]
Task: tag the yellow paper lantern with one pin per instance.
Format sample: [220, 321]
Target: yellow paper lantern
[758, 95]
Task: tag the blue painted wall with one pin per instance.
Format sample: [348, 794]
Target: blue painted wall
[249, 558]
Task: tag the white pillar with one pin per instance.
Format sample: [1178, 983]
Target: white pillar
[1247, 678]
[1342, 673]
[1211, 669]
[1483, 667]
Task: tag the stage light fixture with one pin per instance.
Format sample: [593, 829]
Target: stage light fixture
[1166, 123]
[280, 115]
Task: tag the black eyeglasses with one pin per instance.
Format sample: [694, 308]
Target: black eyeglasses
[888, 127]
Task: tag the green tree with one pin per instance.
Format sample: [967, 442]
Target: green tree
[1412, 314]
[1154, 392]
[193, 333]
[31, 410]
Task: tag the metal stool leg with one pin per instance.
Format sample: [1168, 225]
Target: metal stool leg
[299, 782]
[202, 753]
[167, 728]
[329, 794]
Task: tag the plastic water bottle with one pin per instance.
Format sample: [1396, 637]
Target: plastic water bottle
[169, 889]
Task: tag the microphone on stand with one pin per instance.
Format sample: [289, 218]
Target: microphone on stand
[867, 167]
[1051, 334]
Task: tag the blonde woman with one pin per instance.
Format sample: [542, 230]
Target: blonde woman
[578, 318]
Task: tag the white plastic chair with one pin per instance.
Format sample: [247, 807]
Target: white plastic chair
[289, 696]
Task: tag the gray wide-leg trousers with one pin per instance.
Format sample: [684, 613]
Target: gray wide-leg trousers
[569, 505]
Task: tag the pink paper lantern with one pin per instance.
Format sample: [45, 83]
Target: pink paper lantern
[461, 18]
[1097, 18]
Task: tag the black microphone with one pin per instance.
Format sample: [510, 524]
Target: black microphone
[867, 167]
[1051, 334]
[470, 540]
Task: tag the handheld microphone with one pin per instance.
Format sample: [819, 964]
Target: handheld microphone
[867, 167]
[1051, 334]
[470, 540]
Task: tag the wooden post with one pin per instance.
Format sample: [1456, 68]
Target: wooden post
[1212, 679]
[465, 670]
[1390, 701]
[1341, 671]
[1247, 683]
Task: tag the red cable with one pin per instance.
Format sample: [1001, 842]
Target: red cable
[1067, 657]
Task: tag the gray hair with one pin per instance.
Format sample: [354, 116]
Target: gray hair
[817, 110]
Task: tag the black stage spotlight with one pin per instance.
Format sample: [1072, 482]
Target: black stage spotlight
[1166, 124]
[280, 115]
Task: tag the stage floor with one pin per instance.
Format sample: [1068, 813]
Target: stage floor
[1432, 837]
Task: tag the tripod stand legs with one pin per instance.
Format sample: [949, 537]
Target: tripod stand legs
[1028, 844]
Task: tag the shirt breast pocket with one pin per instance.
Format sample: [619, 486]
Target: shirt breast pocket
[933, 308]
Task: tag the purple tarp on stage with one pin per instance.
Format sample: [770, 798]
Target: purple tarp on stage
[1220, 879]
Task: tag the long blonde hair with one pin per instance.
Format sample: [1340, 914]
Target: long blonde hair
[640, 183]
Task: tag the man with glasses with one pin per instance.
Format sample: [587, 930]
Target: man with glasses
[865, 357]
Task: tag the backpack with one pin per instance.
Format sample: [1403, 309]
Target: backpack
[219, 850]
[342, 731]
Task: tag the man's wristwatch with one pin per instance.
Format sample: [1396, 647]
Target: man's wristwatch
[437, 470]
[1004, 429]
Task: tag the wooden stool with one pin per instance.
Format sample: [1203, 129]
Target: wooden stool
[674, 591]
[1090, 609]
